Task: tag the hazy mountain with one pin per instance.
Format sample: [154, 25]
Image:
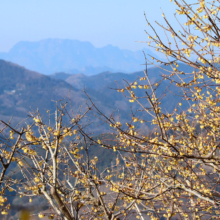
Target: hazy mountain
[73, 56]
[106, 84]
[108, 79]
[60, 75]
[22, 91]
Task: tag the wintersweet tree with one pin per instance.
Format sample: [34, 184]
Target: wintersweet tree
[55, 164]
[10, 145]
[173, 171]
[170, 172]
[57, 167]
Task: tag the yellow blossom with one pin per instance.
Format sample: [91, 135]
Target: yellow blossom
[40, 215]
[37, 120]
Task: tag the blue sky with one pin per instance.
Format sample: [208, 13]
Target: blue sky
[101, 22]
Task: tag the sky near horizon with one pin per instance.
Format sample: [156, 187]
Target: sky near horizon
[101, 22]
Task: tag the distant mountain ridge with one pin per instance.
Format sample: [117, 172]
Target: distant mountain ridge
[22, 91]
[72, 56]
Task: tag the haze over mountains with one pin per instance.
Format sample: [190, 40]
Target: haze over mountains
[22, 90]
[72, 56]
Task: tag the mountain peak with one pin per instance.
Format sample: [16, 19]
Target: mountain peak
[62, 55]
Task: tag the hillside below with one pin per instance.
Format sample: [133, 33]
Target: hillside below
[23, 91]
